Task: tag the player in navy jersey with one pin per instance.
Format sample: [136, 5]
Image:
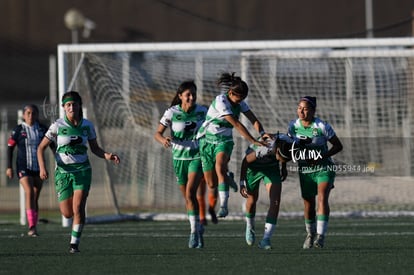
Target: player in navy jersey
[26, 137]
[314, 158]
[73, 172]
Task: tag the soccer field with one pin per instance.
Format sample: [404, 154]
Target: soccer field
[353, 246]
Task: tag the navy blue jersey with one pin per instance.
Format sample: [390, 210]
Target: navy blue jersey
[27, 139]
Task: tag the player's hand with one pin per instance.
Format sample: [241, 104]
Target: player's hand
[9, 173]
[167, 142]
[43, 174]
[243, 191]
[115, 158]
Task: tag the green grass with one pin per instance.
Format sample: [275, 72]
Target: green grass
[353, 246]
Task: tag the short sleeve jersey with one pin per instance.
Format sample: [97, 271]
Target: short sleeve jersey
[319, 132]
[71, 141]
[216, 128]
[184, 127]
[27, 139]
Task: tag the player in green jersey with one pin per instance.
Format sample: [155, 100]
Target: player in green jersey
[184, 117]
[73, 173]
[314, 159]
[261, 164]
[216, 134]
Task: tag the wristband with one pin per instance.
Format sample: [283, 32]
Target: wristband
[242, 183]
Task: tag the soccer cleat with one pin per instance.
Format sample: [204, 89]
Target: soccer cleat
[319, 241]
[232, 183]
[265, 244]
[308, 241]
[223, 212]
[193, 241]
[74, 248]
[250, 236]
[200, 237]
[213, 215]
[32, 232]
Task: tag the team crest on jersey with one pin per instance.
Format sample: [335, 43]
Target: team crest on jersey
[24, 134]
[315, 132]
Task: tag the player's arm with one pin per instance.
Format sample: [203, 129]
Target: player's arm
[283, 171]
[98, 151]
[159, 136]
[41, 157]
[256, 123]
[242, 130]
[335, 148]
[249, 158]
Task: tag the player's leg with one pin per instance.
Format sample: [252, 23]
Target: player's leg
[253, 180]
[201, 195]
[273, 186]
[27, 184]
[325, 181]
[223, 187]
[192, 206]
[309, 191]
[37, 188]
[81, 182]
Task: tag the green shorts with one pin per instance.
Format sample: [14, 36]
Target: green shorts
[268, 175]
[184, 167]
[209, 151]
[309, 182]
[66, 183]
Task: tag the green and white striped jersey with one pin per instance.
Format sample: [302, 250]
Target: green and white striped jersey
[184, 127]
[71, 152]
[319, 133]
[216, 129]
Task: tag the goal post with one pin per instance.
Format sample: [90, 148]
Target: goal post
[364, 88]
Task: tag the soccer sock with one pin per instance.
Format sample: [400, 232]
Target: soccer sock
[30, 213]
[202, 207]
[193, 221]
[269, 228]
[212, 198]
[250, 220]
[223, 194]
[322, 224]
[310, 226]
[76, 233]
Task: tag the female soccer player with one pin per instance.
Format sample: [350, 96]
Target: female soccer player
[73, 171]
[184, 117]
[261, 163]
[26, 137]
[316, 179]
[216, 134]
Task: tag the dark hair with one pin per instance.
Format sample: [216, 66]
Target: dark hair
[31, 106]
[72, 95]
[184, 86]
[311, 100]
[234, 83]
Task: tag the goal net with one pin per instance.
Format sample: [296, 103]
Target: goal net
[364, 90]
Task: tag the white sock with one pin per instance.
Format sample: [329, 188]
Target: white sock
[193, 223]
[250, 222]
[322, 227]
[268, 230]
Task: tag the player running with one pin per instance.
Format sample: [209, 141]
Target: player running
[313, 158]
[73, 173]
[184, 117]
